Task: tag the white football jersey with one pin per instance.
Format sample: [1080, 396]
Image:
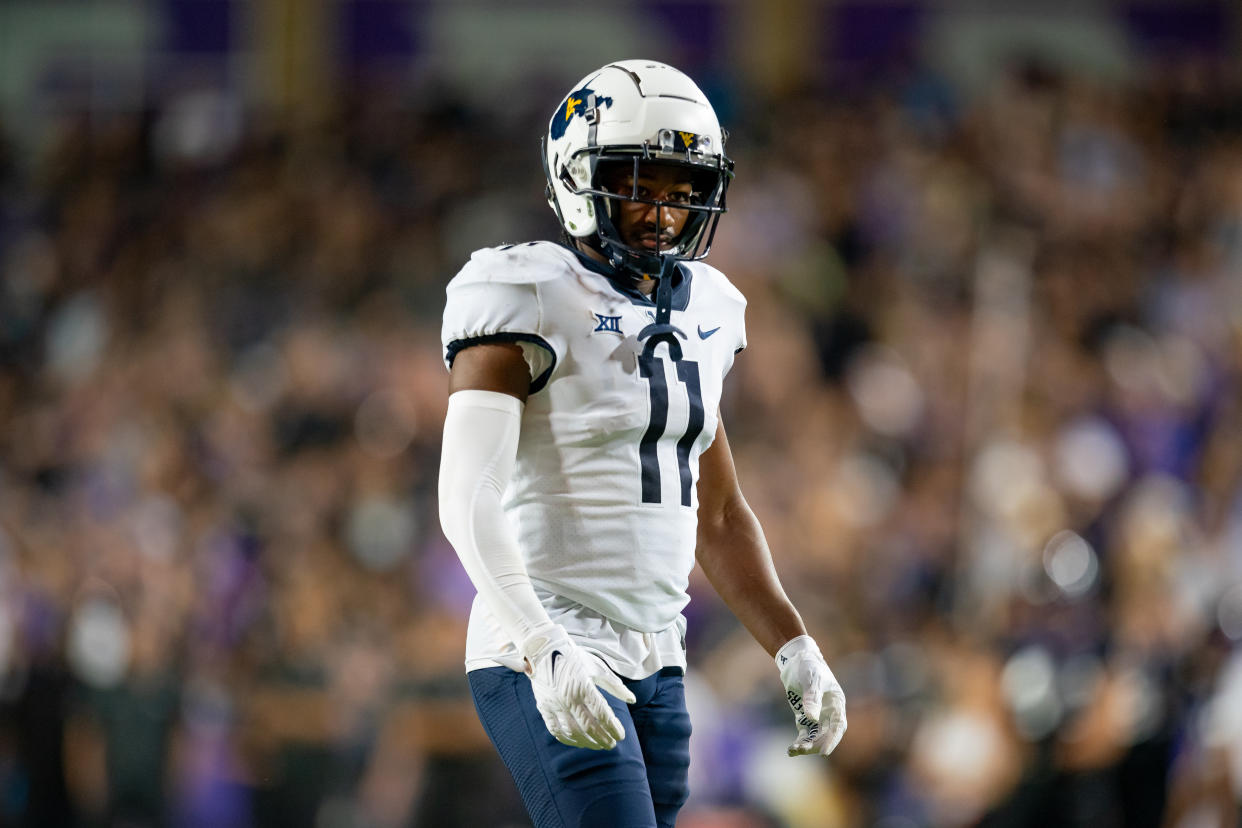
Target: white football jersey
[603, 496]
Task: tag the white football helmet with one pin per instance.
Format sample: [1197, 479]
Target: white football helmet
[635, 112]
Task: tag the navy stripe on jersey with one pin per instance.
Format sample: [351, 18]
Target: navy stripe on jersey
[458, 345]
[688, 373]
[652, 368]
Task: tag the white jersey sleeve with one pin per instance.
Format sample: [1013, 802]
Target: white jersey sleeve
[497, 297]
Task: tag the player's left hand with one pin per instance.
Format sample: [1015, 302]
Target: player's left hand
[814, 694]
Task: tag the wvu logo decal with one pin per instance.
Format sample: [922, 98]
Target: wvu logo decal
[688, 139]
[575, 106]
[607, 324]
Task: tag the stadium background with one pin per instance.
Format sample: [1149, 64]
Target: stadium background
[990, 413]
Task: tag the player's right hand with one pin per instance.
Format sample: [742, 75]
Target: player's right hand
[567, 681]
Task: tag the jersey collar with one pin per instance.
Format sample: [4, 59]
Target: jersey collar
[681, 282]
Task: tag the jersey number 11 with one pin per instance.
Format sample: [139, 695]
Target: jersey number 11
[652, 369]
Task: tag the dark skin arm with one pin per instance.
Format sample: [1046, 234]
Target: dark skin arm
[494, 367]
[731, 548]
[734, 555]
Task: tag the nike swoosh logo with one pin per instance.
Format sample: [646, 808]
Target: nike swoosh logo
[555, 655]
[705, 334]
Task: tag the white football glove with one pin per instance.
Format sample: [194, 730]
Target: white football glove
[815, 695]
[565, 677]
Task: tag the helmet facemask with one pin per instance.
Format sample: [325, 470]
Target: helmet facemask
[698, 194]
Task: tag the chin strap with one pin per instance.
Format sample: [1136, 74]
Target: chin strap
[662, 330]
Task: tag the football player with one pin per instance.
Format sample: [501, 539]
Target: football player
[585, 466]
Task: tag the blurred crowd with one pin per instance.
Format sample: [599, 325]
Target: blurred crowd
[990, 417]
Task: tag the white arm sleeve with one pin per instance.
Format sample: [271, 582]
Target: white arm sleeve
[476, 462]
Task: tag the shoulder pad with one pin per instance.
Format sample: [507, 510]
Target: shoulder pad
[718, 280]
[514, 264]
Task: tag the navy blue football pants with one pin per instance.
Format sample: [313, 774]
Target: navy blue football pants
[641, 783]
